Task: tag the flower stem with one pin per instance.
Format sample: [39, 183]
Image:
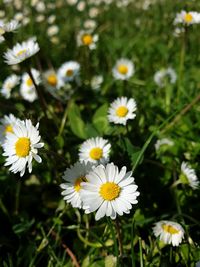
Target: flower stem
[119, 237]
[132, 245]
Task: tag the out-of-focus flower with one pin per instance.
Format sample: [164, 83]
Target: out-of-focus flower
[86, 38]
[27, 88]
[123, 69]
[21, 52]
[164, 141]
[164, 76]
[9, 83]
[69, 71]
[169, 232]
[6, 126]
[52, 30]
[21, 147]
[187, 18]
[109, 191]
[96, 82]
[52, 79]
[95, 150]
[121, 110]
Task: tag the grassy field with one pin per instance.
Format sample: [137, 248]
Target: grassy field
[38, 227]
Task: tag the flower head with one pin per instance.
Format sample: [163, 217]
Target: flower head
[95, 150]
[169, 232]
[6, 126]
[86, 38]
[164, 76]
[21, 52]
[10, 26]
[21, 146]
[187, 18]
[69, 71]
[73, 177]
[121, 110]
[9, 83]
[109, 191]
[123, 69]
[52, 79]
[188, 175]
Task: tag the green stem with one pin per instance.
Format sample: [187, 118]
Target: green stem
[119, 237]
[110, 223]
[63, 122]
[141, 256]
[132, 245]
[18, 187]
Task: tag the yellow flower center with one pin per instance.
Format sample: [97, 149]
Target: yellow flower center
[170, 229]
[21, 52]
[188, 17]
[52, 79]
[77, 185]
[96, 153]
[22, 147]
[87, 39]
[29, 82]
[123, 69]
[109, 191]
[8, 129]
[121, 111]
[69, 72]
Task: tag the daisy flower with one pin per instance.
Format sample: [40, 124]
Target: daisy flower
[187, 18]
[123, 69]
[73, 177]
[52, 79]
[69, 71]
[95, 150]
[109, 191]
[9, 83]
[169, 232]
[162, 142]
[6, 126]
[121, 110]
[27, 88]
[10, 26]
[188, 176]
[21, 146]
[85, 38]
[165, 75]
[21, 52]
[96, 82]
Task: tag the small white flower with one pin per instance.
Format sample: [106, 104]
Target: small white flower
[9, 83]
[90, 24]
[52, 79]
[73, 177]
[10, 26]
[52, 30]
[169, 232]
[96, 82]
[121, 110]
[123, 69]
[187, 18]
[21, 52]
[164, 141]
[109, 191]
[27, 88]
[163, 76]
[69, 71]
[188, 176]
[21, 146]
[86, 38]
[6, 126]
[95, 150]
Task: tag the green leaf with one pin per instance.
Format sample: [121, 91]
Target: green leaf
[77, 125]
[100, 120]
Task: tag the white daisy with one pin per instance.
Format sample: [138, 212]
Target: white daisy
[187, 18]
[123, 69]
[96, 82]
[69, 71]
[21, 52]
[164, 141]
[6, 126]
[27, 88]
[121, 110]
[109, 191]
[21, 146]
[9, 83]
[169, 232]
[73, 177]
[86, 38]
[52, 79]
[10, 26]
[95, 150]
[164, 76]
[188, 175]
